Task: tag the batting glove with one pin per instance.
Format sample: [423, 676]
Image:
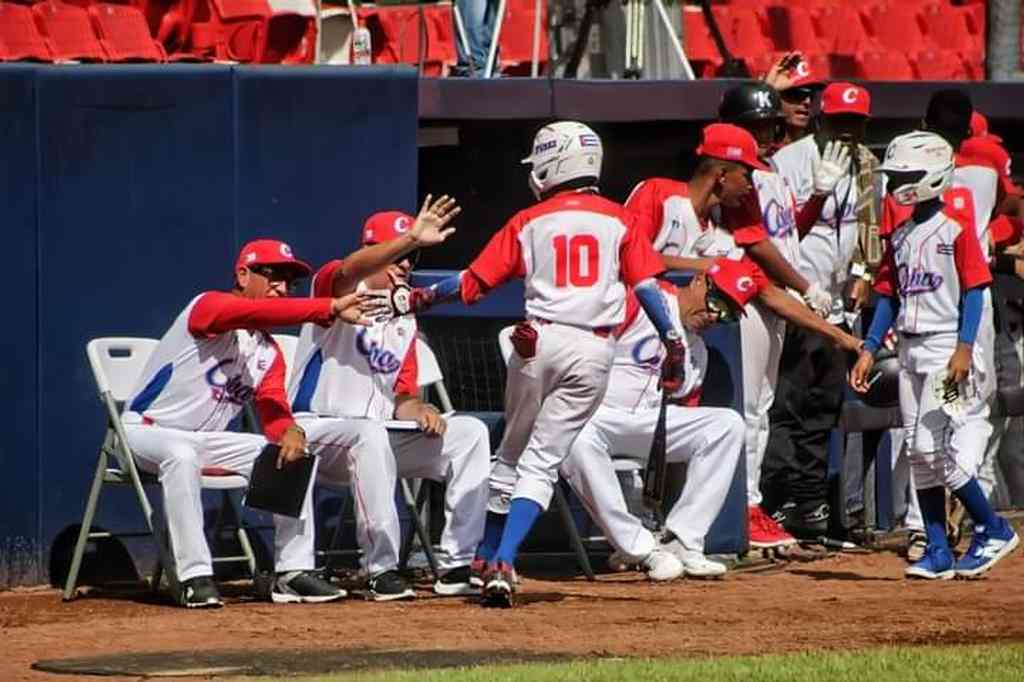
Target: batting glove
[405, 300]
[818, 300]
[834, 164]
[524, 340]
[674, 364]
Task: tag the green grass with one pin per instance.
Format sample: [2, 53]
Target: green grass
[988, 663]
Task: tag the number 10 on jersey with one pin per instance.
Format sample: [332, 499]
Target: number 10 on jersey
[576, 260]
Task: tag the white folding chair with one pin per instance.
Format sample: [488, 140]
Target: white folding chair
[505, 347]
[116, 364]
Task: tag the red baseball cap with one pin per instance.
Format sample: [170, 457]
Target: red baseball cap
[804, 77]
[735, 279]
[979, 127]
[386, 225]
[727, 142]
[845, 98]
[270, 252]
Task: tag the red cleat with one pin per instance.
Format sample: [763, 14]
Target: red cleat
[765, 532]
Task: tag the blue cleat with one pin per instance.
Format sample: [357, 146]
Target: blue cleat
[988, 547]
[937, 564]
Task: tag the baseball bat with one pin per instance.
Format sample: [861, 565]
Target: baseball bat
[655, 474]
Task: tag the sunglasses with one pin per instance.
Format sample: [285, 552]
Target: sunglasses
[276, 274]
[796, 95]
[721, 308]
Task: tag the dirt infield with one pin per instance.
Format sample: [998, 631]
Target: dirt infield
[836, 602]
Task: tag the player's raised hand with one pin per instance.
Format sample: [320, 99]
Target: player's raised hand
[782, 73]
[430, 226]
[834, 164]
[361, 308]
[861, 370]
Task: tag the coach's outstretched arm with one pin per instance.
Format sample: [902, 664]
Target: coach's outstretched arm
[429, 229]
[788, 308]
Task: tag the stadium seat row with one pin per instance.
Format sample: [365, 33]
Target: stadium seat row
[892, 40]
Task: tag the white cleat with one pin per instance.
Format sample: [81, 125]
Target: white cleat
[661, 565]
[694, 563]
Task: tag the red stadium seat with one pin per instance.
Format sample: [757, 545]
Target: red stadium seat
[19, 37]
[516, 40]
[748, 33]
[792, 28]
[842, 30]
[124, 34]
[291, 33]
[228, 30]
[975, 18]
[69, 32]
[697, 39]
[940, 65]
[946, 27]
[896, 26]
[884, 66]
[395, 35]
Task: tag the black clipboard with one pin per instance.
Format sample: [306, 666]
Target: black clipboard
[279, 491]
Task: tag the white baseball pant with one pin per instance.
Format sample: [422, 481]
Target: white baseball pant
[943, 451]
[364, 455]
[709, 439]
[985, 344]
[177, 457]
[762, 333]
[548, 400]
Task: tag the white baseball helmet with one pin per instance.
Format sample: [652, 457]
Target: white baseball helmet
[563, 151]
[919, 152]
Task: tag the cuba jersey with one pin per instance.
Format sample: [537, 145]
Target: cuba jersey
[635, 380]
[778, 212]
[929, 266]
[197, 380]
[827, 248]
[575, 251]
[353, 371]
[672, 225]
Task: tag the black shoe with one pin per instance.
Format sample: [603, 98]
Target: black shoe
[298, 587]
[200, 593]
[809, 521]
[390, 586]
[456, 582]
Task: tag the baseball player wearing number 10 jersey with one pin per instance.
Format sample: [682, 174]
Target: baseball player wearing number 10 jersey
[576, 252]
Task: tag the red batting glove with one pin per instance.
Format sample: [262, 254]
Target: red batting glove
[674, 364]
[524, 340]
[405, 300]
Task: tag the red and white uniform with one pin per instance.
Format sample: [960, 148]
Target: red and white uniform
[346, 381]
[212, 360]
[928, 266]
[672, 224]
[576, 251]
[827, 249]
[707, 438]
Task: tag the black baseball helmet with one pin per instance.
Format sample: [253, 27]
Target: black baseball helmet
[753, 101]
[885, 389]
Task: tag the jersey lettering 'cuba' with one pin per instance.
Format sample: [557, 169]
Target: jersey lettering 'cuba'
[916, 281]
[380, 360]
[233, 388]
[647, 352]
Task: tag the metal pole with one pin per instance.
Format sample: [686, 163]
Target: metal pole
[678, 46]
[492, 53]
[535, 63]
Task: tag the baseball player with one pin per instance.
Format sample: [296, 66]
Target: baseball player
[931, 283]
[812, 375]
[215, 357]
[709, 439]
[576, 252]
[797, 85]
[685, 217]
[351, 379]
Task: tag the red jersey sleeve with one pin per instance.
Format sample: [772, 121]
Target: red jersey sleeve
[406, 383]
[761, 280]
[637, 257]
[970, 262]
[745, 222]
[647, 203]
[892, 215]
[323, 280]
[502, 258]
[217, 312]
[271, 401]
[958, 204]
[885, 280]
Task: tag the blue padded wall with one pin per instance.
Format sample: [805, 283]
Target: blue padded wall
[147, 181]
[19, 508]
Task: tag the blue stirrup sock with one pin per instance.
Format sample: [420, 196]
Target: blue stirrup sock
[977, 504]
[521, 516]
[493, 528]
[933, 511]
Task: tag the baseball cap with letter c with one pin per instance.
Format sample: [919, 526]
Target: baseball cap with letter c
[728, 142]
[845, 98]
[271, 252]
[386, 226]
[734, 279]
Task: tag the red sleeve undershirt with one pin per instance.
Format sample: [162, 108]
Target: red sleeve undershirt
[271, 401]
[217, 312]
[406, 383]
[501, 259]
[970, 263]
